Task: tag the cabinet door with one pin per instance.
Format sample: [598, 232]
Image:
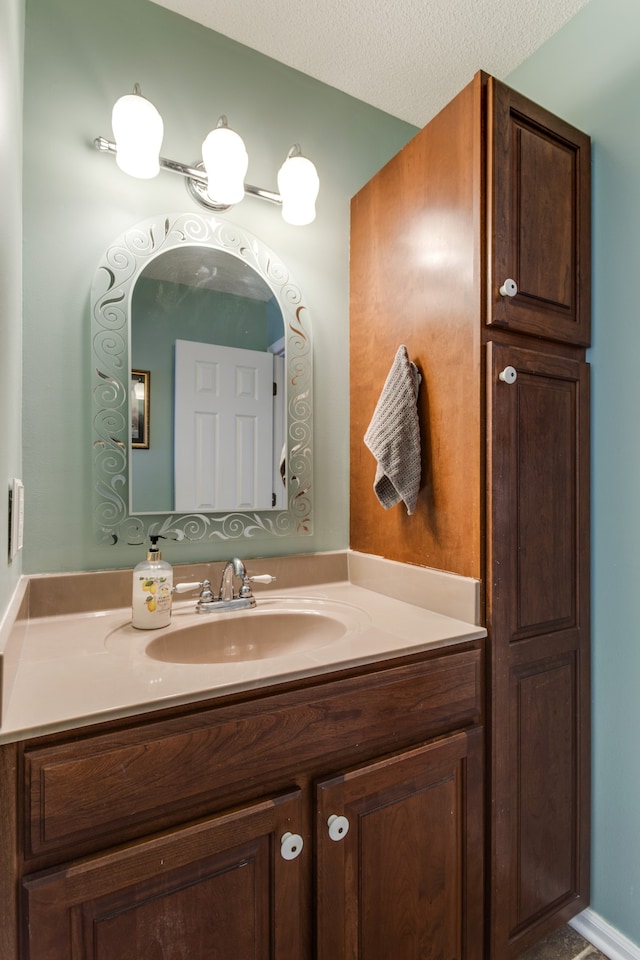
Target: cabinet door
[538, 218]
[402, 876]
[214, 890]
[538, 619]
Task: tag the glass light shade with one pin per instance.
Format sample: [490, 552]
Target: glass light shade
[137, 131]
[298, 185]
[225, 161]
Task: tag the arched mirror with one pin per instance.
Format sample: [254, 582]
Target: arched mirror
[202, 378]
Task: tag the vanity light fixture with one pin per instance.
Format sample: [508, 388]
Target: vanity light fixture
[138, 130]
[218, 181]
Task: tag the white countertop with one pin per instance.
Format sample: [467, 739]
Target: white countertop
[84, 668]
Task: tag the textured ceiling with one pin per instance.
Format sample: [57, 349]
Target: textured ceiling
[407, 58]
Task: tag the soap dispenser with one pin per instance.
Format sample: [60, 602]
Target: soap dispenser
[152, 590]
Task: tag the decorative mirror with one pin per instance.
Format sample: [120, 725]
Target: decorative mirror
[202, 386]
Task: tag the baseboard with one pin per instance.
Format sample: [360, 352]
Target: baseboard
[606, 938]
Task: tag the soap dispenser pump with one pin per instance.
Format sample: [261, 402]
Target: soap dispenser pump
[152, 590]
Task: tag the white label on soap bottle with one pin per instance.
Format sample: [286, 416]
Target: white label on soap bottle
[152, 596]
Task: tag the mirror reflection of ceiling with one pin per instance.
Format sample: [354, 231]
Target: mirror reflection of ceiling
[194, 267]
[424, 51]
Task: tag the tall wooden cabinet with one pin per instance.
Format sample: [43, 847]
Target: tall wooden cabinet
[472, 247]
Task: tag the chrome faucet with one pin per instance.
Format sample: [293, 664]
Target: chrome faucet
[228, 598]
[233, 569]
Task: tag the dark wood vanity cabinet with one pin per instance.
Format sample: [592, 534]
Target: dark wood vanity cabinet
[219, 832]
[400, 878]
[213, 888]
[495, 189]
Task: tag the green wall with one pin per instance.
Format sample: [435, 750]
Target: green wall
[11, 42]
[589, 73]
[80, 56]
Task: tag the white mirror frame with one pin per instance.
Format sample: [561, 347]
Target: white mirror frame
[110, 338]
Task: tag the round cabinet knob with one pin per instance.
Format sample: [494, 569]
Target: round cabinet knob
[338, 827]
[291, 845]
[508, 375]
[509, 288]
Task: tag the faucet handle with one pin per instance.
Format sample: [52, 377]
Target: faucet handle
[245, 589]
[204, 585]
[186, 587]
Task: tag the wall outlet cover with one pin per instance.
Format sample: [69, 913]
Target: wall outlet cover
[16, 518]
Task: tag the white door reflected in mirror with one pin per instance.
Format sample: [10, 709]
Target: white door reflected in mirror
[224, 430]
[208, 299]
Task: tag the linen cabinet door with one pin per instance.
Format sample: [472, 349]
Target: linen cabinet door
[221, 888]
[538, 621]
[399, 856]
[539, 196]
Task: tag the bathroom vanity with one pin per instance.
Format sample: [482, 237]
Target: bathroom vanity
[325, 807]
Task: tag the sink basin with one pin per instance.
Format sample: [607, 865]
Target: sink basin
[276, 627]
[252, 636]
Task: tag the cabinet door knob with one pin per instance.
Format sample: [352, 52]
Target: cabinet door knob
[509, 288]
[291, 845]
[338, 827]
[508, 375]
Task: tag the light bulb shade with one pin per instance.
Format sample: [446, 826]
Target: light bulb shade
[225, 161]
[137, 131]
[298, 185]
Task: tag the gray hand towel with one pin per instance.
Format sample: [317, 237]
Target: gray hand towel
[393, 436]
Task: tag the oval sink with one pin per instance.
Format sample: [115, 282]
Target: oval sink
[256, 635]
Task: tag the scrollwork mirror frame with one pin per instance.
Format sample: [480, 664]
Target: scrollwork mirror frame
[111, 294]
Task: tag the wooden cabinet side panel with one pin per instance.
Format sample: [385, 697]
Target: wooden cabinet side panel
[416, 280]
[9, 779]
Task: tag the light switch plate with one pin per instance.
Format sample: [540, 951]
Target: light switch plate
[16, 513]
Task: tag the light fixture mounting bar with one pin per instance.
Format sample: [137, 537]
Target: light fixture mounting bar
[195, 176]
